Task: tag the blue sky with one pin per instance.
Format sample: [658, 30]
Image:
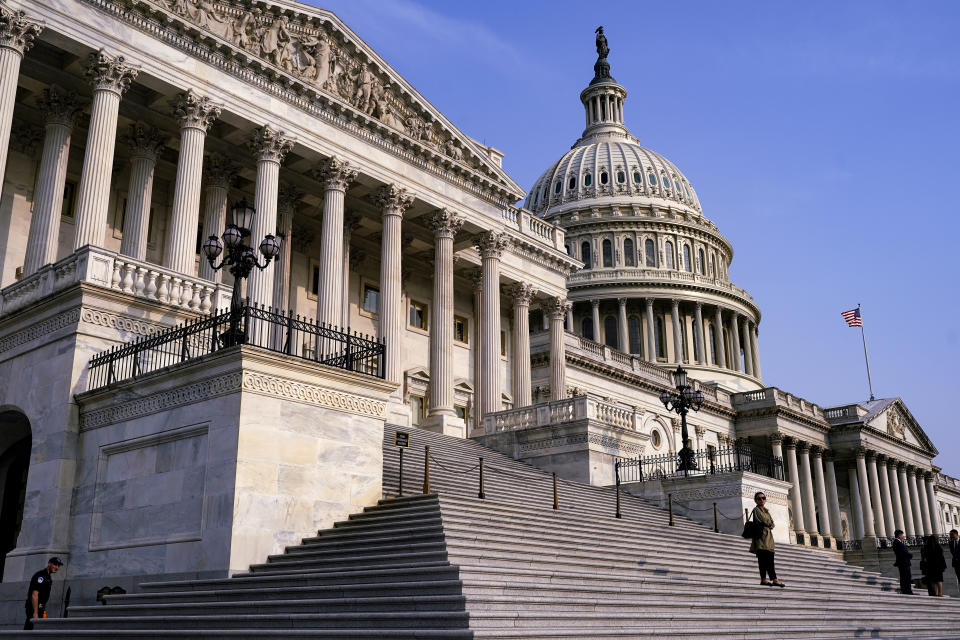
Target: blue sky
[821, 138]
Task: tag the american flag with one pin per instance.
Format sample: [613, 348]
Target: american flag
[853, 317]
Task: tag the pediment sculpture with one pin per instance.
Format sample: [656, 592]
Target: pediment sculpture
[312, 54]
[896, 425]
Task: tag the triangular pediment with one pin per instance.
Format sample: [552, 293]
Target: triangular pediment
[896, 421]
[298, 42]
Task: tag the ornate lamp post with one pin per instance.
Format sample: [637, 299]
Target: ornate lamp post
[683, 400]
[241, 259]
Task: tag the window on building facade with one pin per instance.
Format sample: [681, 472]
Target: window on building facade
[587, 180]
[686, 258]
[585, 255]
[650, 253]
[604, 179]
[656, 439]
[700, 262]
[417, 409]
[460, 329]
[587, 326]
[713, 265]
[461, 411]
[371, 298]
[418, 315]
[668, 250]
[607, 253]
[557, 188]
[633, 334]
[610, 332]
[621, 177]
[629, 257]
[660, 335]
[573, 183]
[314, 279]
[713, 346]
[637, 177]
[652, 177]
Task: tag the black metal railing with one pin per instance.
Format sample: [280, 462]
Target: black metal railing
[706, 462]
[253, 325]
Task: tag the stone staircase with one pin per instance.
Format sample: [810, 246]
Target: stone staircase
[447, 565]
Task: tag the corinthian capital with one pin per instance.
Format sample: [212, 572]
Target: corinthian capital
[269, 144]
[144, 140]
[335, 173]
[218, 171]
[393, 200]
[195, 111]
[59, 106]
[16, 31]
[521, 293]
[110, 73]
[445, 223]
[288, 196]
[556, 308]
[491, 244]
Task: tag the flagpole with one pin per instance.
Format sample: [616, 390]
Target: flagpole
[865, 356]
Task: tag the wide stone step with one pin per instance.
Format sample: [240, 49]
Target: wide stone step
[324, 553]
[220, 634]
[354, 561]
[415, 528]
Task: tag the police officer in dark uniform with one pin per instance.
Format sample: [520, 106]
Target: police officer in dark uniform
[39, 591]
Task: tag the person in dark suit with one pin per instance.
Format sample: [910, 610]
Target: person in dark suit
[955, 552]
[902, 562]
[933, 564]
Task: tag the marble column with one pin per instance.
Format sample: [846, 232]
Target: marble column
[60, 109]
[896, 500]
[287, 199]
[569, 326]
[651, 332]
[875, 501]
[336, 175]
[218, 176]
[776, 445]
[17, 33]
[597, 329]
[907, 499]
[866, 506]
[393, 200]
[922, 506]
[755, 350]
[624, 341]
[677, 338]
[857, 530]
[735, 340]
[351, 223]
[833, 496]
[810, 508]
[748, 361]
[441, 416]
[110, 77]
[556, 309]
[521, 293]
[795, 497]
[935, 528]
[269, 147]
[491, 245]
[698, 334]
[885, 500]
[718, 339]
[145, 144]
[821, 491]
[476, 278]
[195, 113]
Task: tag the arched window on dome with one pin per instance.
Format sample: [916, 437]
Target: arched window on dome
[587, 328]
[713, 345]
[650, 253]
[621, 177]
[686, 258]
[713, 266]
[652, 177]
[637, 178]
[607, 253]
[587, 179]
[610, 332]
[629, 257]
[666, 182]
[585, 255]
[572, 183]
[661, 337]
[604, 178]
[633, 334]
[668, 250]
[700, 261]
[557, 188]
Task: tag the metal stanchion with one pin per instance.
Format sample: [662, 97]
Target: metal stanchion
[426, 469]
[556, 503]
[617, 470]
[481, 494]
[670, 503]
[400, 487]
[746, 515]
[716, 519]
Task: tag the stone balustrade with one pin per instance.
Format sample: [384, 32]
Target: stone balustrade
[107, 269]
[772, 396]
[530, 226]
[842, 414]
[599, 275]
[583, 407]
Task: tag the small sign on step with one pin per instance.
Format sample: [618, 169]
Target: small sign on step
[401, 439]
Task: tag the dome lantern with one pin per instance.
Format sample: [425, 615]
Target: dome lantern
[603, 98]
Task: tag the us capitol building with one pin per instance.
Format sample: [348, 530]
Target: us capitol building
[141, 438]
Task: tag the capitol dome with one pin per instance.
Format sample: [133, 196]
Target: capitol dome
[655, 281]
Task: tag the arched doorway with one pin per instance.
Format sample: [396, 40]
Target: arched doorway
[15, 444]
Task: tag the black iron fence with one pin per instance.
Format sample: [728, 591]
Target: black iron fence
[252, 325]
[705, 462]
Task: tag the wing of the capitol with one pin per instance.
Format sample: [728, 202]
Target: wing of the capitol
[238, 250]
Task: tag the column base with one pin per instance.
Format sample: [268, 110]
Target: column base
[869, 542]
[800, 537]
[446, 424]
[398, 412]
